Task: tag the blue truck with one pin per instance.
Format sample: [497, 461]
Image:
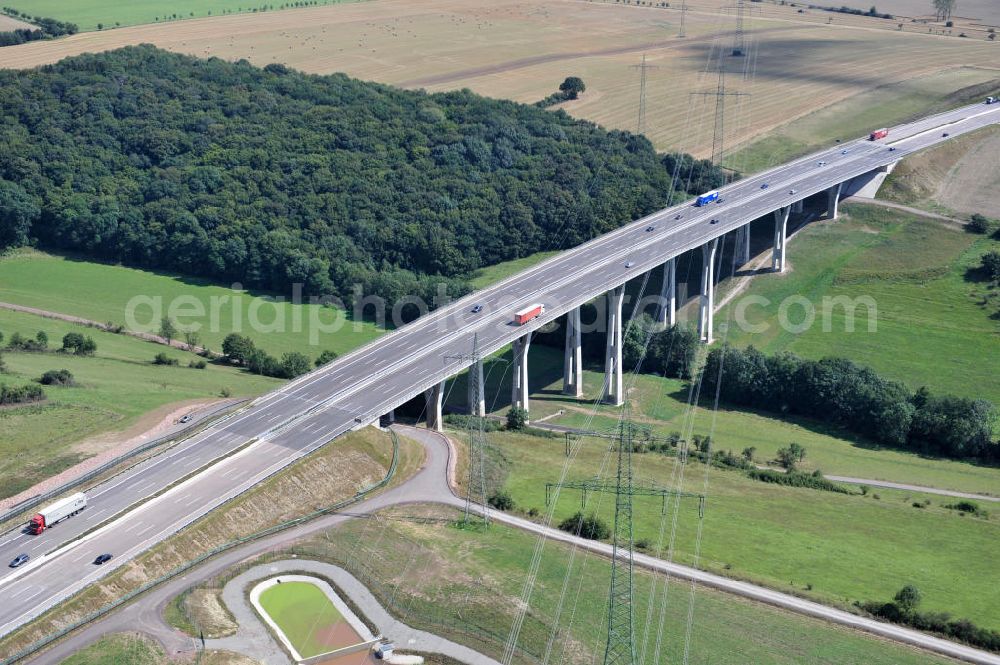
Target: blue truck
[705, 199]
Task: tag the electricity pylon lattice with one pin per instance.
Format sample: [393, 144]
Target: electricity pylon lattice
[641, 125]
[620, 648]
[476, 488]
[739, 45]
[719, 132]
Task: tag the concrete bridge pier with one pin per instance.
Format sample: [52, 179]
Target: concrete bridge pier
[476, 390]
[833, 199]
[798, 206]
[743, 245]
[707, 309]
[573, 355]
[519, 380]
[780, 238]
[613, 352]
[434, 396]
[666, 315]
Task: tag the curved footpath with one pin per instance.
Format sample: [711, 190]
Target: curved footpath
[430, 485]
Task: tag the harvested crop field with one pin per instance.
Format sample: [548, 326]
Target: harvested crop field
[522, 50]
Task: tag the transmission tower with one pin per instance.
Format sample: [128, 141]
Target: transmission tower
[621, 616]
[620, 648]
[720, 93]
[739, 46]
[641, 125]
[476, 487]
[684, 11]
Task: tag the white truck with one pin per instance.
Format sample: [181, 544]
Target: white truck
[992, 100]
[57, 512]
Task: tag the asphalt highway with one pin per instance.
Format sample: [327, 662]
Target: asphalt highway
[357, 388]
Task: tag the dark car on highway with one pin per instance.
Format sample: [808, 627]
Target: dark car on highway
[103, 558]
[20, 560]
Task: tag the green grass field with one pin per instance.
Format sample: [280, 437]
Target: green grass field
[118, 648]
[501, 271]
[102, 292]
[856, 116]
[115, 389]
[934, 327]
[302, 611]
[833, 547]
[88, 14]
[464, 584]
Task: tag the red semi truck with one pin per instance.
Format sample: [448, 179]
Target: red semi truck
[878, 134]
[57, 512]
[528, 313]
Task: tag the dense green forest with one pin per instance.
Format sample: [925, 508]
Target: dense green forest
[270, 177]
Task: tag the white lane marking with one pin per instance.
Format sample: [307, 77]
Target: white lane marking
[18, 593]
[15, 538]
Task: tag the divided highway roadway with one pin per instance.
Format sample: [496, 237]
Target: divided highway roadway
[357, 388]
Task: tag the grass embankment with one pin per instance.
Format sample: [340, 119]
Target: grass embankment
[129, 649]
[90, 14]
[466, 583]
[102, 292]
[331, 474]
[119, 392]
[935, 326]
[856, 116]
[833, 547]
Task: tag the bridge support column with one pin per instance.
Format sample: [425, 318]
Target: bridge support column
[613, 351]
[832, 199]
[743, 245]
[519, 381]
[706, 311]
[667, 313]
[434, 397]
[573, 355]
[797, 206]
[476, 390]
[780, 238]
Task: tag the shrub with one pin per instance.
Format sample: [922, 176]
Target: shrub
[57, 377]
[813, 480]
[326, 356]
[78, 344]
[198, 364]
[977, 224]
[517, 418]
[163, 359]
[590, 527]
[502, 500]
[20, 394]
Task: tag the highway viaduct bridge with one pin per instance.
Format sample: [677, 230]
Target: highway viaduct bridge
[154, 499]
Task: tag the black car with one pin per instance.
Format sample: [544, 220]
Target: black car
[20, 560]
[477, 309]
[650, 228]
[103, 558]
[714, 221]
